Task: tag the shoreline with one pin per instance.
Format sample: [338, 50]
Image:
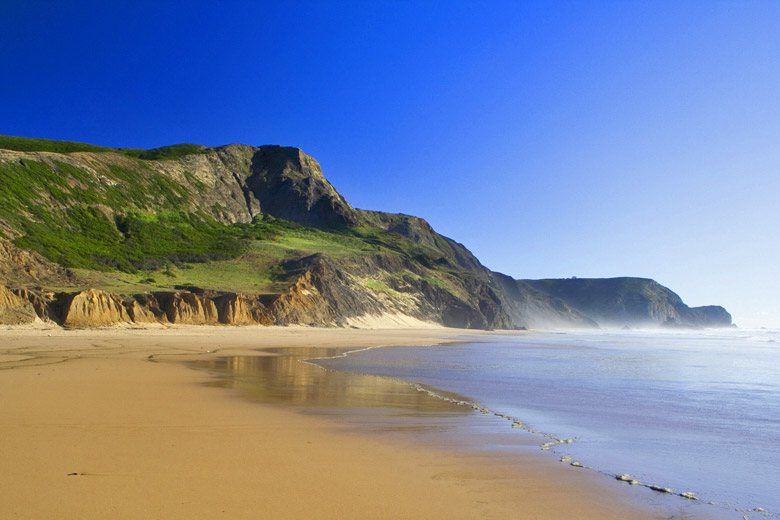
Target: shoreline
[92, 429]
[541, 441]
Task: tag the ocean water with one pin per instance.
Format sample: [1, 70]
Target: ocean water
[694, 412]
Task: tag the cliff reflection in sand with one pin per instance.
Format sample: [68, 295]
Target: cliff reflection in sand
[282, 377]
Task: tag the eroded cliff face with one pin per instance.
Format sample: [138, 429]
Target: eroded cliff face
[335, 292]
[15, 310]
[241, 309]
[93, 308]
[43, 302]
[328, 292]
[187, 308]
[27, 268]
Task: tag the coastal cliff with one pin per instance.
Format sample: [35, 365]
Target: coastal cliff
[632, 302]
[93, 236]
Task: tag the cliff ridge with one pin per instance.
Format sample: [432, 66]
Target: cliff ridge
[237, 234]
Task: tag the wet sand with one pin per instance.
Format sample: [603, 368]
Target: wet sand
[102, 424]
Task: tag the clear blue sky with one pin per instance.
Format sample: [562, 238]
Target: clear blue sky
[554, 139]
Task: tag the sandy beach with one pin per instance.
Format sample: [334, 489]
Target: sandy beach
[98, 424]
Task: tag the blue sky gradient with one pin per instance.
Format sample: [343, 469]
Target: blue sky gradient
[554, 139]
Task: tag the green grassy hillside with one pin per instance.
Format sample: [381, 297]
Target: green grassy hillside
[28, 144]
[127, 218]
[124, 225]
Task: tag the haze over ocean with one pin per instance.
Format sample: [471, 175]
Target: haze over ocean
[553, 139]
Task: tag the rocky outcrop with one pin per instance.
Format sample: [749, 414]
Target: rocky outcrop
[630, 302]
[141, 314]
[27, 268]
[331, 291]
[304, 304]
[220, 181]
[708, 316]
[15, 310]
[433, 250]
[328, 292]
[289, 184]
[44, 302]
[240, 309]
[92, 308]
[187, 308]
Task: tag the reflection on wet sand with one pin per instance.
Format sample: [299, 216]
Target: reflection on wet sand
[284, 378]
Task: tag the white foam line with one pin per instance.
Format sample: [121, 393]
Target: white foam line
[516, 423]
[555, 441]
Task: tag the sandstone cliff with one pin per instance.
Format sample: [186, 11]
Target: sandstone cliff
[93, 308]
[28, 268]
[15, 310]
[187, 308]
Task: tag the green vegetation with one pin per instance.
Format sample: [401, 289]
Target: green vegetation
[443, 280]
[28, 144]
[260, 268]
[381, 287]
[144, 187]
[34, 187]
[432, 257]
[165, 153]
[133, 219]
[378, 286]
[127, 227]
[65, 213]
[85, 237]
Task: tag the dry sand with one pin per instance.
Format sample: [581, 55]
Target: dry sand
[91, 429]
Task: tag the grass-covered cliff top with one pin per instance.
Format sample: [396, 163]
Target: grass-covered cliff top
[28, 144]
